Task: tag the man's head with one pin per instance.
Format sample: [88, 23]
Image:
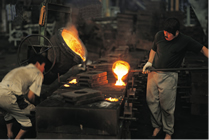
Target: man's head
[171, 28]
[39, 61]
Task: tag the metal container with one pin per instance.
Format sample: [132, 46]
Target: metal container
[65, 57]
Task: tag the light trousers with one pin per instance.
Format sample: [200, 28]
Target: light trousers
[9, 104]
[161, 98]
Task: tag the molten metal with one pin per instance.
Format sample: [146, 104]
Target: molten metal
[112, 99]
[73, 43]
[120, 68]
[74, 81]
[66, 85]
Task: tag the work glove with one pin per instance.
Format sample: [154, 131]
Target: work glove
[147, 65]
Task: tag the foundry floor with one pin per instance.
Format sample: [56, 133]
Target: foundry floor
[187, 126]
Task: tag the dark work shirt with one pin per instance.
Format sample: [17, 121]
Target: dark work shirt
[170, 54]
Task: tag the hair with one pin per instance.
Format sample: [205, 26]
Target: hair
[37, 58]
[41, 59]
[171, 25]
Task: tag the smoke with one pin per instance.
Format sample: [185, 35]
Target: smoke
[72, 28]
[71, 24]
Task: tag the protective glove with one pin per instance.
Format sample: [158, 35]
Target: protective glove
[147, 65]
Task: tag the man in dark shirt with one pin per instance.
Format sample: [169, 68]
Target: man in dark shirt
[168, 50]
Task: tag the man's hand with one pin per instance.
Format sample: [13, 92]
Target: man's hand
[204, 51]
[147, 65]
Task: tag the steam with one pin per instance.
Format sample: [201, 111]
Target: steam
[72, 30]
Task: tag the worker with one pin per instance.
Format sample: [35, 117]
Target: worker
[18, 91]
[168, 51]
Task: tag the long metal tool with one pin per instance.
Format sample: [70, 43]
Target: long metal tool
[172, 69]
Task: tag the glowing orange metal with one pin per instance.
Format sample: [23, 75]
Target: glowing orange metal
[74, 81]
[66, 85]
[111, 99]
[120, 68]
[74, 43]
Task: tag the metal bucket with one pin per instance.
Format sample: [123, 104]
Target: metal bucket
[66, 58]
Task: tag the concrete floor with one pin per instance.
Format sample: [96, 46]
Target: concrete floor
[187, 126]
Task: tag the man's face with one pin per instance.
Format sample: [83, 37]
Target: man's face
[41, 67]
[169, 36]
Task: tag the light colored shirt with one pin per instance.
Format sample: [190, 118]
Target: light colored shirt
[22, 79]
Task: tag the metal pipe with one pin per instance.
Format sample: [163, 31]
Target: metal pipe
[171, 69]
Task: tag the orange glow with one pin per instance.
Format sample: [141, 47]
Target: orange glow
[66, 85]
[74, 43]
[73, 81]
[111, 99]
[120, 68]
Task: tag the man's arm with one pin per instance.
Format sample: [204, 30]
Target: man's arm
[204, 51]
[151, 55]
[31, 96]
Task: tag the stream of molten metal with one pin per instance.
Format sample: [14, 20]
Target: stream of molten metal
[120, 68]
